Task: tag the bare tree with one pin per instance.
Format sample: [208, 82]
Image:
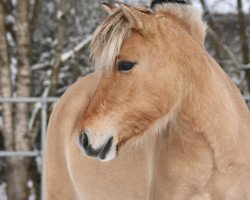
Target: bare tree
[213, 25]
[6, 91]
[17, 170]
[34, 16]
[17, 24]
[5, 82]
[61, 15]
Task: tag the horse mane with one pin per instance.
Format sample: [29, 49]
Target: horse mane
[108, 38]
[189, 15]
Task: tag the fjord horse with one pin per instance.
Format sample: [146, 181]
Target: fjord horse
[157, 120]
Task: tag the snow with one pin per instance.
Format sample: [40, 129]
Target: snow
[3, 195]
[247, 97]
[51, 7]
[59, 14]
[13, 68]
[38, 106]
[1, 121]
[72, 11]
[244, 67]
[14, 2]
[31, 187]
[10, 39]
[10, 19]
[35, 110]
[41, 65]
[32, 2]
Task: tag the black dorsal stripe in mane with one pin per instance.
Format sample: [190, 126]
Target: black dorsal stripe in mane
[155, 2]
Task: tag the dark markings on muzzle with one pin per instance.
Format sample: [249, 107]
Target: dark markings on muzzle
[100, 152]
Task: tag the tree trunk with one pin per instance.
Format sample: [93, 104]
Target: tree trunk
[59, 47]
[17, 174]
[5, 83]
[214, 27]
[23, 76]
[243, 40]
[34, 18]
[17, 178]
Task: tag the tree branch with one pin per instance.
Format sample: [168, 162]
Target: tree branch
[71, 53]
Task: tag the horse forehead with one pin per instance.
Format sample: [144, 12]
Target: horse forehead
[134, 44]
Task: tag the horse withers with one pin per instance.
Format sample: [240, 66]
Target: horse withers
[158, 119]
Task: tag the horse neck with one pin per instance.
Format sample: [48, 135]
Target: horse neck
[219, 113]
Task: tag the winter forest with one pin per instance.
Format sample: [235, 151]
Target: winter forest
[44, 49]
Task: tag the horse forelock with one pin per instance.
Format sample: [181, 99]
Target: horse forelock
[108, 39]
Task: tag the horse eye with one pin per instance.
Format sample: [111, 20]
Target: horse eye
[125, 66]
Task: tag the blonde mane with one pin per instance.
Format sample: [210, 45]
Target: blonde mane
[190, 15]
[108, 38]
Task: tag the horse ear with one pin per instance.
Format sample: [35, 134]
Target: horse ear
[109, 8]
[133, 16]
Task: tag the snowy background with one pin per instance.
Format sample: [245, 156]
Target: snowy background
[47, 50]
[224, 6]
[216, 6]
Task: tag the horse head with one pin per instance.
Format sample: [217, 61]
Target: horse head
[145, 59]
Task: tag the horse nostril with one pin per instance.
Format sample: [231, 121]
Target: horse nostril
[100, 151]
[106, 149]
[84, 141]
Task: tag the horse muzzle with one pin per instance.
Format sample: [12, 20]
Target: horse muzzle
[104, 152]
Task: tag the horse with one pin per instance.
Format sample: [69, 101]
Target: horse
[157, 119]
